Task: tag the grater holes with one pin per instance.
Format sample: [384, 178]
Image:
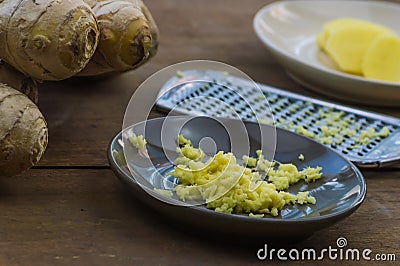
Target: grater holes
[226, 97]
[252, 90]
[243, 108]
[244, 94]
[309, 113]
[285, 104]
[371, 145]
[220, 89]
[364, 123]
[272, 100]
[257, 110]
[203, 89]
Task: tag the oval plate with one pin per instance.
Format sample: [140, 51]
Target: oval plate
[288, 29]
[339, 192]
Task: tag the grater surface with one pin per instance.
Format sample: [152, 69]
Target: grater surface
[298, 113]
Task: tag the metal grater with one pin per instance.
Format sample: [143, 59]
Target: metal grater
[204, 98]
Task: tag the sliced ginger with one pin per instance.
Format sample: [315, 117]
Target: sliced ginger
[346, 41]
[336, 25]
[382, 59]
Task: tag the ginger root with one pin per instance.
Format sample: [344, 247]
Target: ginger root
[23, 132]
[128, 36]
[18, 81]
[47, 39]
[55, 40]
[152, 25]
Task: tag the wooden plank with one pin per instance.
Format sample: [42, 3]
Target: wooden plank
[85, 217]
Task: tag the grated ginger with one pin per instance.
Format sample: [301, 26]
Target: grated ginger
[334, 125]
[229, 187]
[137, 141]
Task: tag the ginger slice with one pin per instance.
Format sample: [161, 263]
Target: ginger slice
[382, 59]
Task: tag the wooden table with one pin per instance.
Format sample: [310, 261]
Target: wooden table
[71, 209]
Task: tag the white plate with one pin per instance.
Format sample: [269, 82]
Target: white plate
[288, 30]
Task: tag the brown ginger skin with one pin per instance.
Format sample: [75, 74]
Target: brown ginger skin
[128, 36]
[47, 39]
[152, 25]
[23, 132]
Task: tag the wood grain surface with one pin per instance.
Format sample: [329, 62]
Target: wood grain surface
[72, 210]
